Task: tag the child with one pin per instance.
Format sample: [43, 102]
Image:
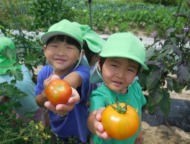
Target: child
[28, 103]
[122, 57]
[63, 52]
[92, 46]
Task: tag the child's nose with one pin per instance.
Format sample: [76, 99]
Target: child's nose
[121, 73]
[61, 50]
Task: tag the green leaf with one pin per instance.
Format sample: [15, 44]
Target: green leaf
[16, 73]
[183, 74]
[153, 79]
[177, 87]
[9, 53]
[156, 96]
[165, 102]
[188, 86]
[10, 90]
[169, 83]
[177, 50]
[188, 3]
[180, 15]
[151, 108]
[142, 78]
[153, 100]
[150, 52]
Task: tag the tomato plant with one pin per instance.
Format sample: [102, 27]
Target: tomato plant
[58, 91]
[120, 121]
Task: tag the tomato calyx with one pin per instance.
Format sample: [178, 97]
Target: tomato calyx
[119, 108]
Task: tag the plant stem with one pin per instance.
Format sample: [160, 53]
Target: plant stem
[10, 140]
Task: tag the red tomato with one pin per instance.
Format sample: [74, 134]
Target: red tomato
[58, 91]
[120, 125]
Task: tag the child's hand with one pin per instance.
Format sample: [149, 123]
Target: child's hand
[61, 109]
[139, 139]
[41, 98]
[98, 125]
[49, 79]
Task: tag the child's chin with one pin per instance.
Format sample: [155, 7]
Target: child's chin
[121, 91]
[115, 90]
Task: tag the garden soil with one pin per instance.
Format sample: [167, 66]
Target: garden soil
[175, 129]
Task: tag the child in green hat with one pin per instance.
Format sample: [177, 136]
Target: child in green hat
[93, 43]
[122, 57]
[92, 46]
[63, 51]
[8, 62]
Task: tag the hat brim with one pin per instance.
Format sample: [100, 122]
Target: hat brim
[48, 35]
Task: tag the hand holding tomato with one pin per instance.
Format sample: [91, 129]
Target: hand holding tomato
[99, 129]
[61, 108]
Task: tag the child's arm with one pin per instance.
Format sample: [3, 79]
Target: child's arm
[41, 99]
[74, 79]
[95, 125]
[139, 139]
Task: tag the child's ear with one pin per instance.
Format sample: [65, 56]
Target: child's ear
[44, 47]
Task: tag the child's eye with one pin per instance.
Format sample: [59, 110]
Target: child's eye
[53, 45]
[69, 47]
[131, 70]
[114, 65]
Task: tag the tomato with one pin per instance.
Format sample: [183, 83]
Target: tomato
[58, 91]
[120, 125]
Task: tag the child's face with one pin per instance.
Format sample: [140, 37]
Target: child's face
[119, 73]
[61, 55]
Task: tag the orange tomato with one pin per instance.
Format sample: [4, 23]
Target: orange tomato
[120, 125]
[58, 91]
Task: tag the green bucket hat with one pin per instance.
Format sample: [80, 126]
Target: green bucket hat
[125, 45]
[7, 61]
[63, 27]
[93, 40]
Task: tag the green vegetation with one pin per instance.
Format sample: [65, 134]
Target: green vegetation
[112, 15]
